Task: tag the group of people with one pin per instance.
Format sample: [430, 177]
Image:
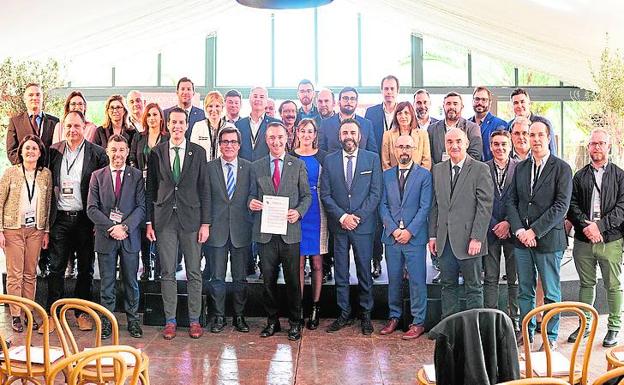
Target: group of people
[190, 183]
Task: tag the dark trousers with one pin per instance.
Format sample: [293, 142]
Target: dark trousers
[129, 265]
[377, 244]
[328, 259]
[362, 249]
[491, 266]
[450, 266]
[149, 251]
[72, 232]
[273, 253]
[218, 258]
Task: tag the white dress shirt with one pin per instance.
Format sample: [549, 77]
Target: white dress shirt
[181, 151]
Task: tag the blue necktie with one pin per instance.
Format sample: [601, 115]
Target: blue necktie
[349, 177]
[230, 183]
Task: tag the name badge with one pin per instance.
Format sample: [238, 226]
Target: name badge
[29, 218]
[445, 156]
[145, 174]
[67, 189]
[596, 216]
[116, 216]
[401, 224]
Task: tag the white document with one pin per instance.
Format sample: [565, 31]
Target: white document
[274, 215]
[18, 353]
[560, 364]
[108, 361]
[430, 372]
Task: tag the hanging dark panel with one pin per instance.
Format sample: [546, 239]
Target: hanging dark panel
[283, 4]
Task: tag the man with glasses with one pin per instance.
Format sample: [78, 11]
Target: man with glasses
[230, 182]
[481, 103]
[597, 213]
[305, 93]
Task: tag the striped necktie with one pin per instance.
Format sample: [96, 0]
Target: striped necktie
[230, 183]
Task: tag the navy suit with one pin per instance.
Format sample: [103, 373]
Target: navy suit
[329, 139]
[489, 124]
[378, 119]
[247, 150]
[362, 200]
[410, 211]
[196, 115]
[100, 202]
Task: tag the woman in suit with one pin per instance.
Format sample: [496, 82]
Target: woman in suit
[75, 102]
[405, 123]
[25, 195]
[314, 223]
[115, 121]
[154, 132]
[205, 132]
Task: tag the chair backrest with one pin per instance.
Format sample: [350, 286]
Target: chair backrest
[59, 312]
[610, 377]
[550, 310]
[537, 381]
[27, 307]
[94, 361]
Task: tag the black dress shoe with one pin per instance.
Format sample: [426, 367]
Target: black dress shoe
[376, 271]
[134, 328]
[610, 339]
[574, 335]
[437, 278]
[294, 333]
[338, 324]
[107, 329]
[217, 325]
[366, 325]
[313, 322]
[240, 325]
[145, 274]
[270, 329]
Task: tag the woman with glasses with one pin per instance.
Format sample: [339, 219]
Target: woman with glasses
[405, 123]
[75, 102]
[205, 132]
[115, 121]
[314, 223]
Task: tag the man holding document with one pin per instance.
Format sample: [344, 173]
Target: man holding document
[279, 197]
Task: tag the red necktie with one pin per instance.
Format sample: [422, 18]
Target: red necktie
[276, 174]
[33, 122]
[118, 185]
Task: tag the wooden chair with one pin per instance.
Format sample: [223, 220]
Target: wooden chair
[422, 379]
[537, 381]
[551, 310]
[26, 371]
[59, 311]
[610, 375]
[91, 366]
[612, 361]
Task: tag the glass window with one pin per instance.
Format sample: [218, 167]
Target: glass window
[294, 47]
[489, 71]
[528, 77]
[444, 63]
[337, 32]
[182, 57]
[140, 69]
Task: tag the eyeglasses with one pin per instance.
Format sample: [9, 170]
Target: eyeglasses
[228, 142]
[76, 104]
[477, 99]
[349, 98]
[114, 108]
[404, 148]
[596, 144]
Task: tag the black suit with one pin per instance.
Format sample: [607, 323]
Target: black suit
[72, 231]
[19, 127]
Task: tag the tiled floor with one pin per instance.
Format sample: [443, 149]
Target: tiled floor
[346, 357]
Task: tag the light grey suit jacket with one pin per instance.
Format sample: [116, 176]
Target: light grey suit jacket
[466, 215]
[437, 131]
[293, 184]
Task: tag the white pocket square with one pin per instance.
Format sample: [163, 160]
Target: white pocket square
[366, 172]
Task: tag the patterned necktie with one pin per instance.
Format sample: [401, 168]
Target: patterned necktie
[402, 181]
[117, 185]
[176, 165]
[230, 183]
[454, 180]
[33, 123]
[349, 176]
[276, 174]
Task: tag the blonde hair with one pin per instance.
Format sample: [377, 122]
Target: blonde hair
[213, 96]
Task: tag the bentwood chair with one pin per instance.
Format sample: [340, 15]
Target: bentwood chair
[118, 364]
[60, 311]
[537, 381]
[12, 370]
[615, 376]
[550, 310]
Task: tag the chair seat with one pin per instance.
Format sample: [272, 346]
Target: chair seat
[422, 378]
[89, 372]
[612, 361]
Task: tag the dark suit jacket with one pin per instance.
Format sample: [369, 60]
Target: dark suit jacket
[413, 209]
[101, 201]
[191, 195]
[499, 209]
[544, 210]
[437, 131]
[362, 199]
[293, 184]
[247, 151]
[466, 214]
[231, 219]
[94, 159]
[137, 158]
[195, 116]
[377, 117]
[330, 142]
[102, 134]
[19, 127]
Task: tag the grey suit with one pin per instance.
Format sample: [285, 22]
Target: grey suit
[437, 131]
[454, 221]
[284, 249]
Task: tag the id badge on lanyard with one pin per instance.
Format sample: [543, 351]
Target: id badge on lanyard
[116, 215]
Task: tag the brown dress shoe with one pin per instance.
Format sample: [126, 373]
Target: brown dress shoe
[390, 327]
[50, 323]
[195, 330]
[85, 323]
[169, 332]
[414, 332]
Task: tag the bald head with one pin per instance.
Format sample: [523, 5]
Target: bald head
[403, 148]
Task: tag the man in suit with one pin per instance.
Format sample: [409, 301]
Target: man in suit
[520, 139]
[538, 201]
[325, 103]
[453, 107]
[502, 170]
[329, 138]
[521, 104]
[72, 161]
[422, 103]
[185, 91]
[253, 128]
[481, 103]
[136, 105]
[230, 182]
[351, 186]
[458, 223]
[233, 100]
[32, 121]
[178, 215]
[280, 174]
[404, 210]
[116, 206]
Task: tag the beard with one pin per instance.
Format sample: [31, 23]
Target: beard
[405, 159]
[347, 110]
[349, 145]
[452, 115]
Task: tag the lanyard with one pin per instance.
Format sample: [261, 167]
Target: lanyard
[31, 194]
[386, 127]
[70, 166]
[500, 182]
[594, 180]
